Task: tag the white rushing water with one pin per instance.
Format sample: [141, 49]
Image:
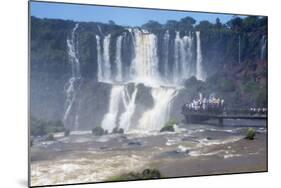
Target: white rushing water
[166, 40]
[182, 57]
[109, 121]
[129, 104]
[120, 96]
[118, 59]
[99, 59]
[199, 67]
[106, 58]
[155, 118]
[145, 64]
[176, 67]
[72, 86]
[144, 68]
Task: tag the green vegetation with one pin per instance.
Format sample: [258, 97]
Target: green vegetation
[99, 131]
[195, 86]
[169, 126]
[145, 174]
[118, 130]
[251, 134]
[227, 86]
[250, 86]
[261, 97]
[243, 90]
[41, 127]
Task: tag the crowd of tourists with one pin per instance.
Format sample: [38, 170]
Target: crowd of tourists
[258, 110]
[202, 104]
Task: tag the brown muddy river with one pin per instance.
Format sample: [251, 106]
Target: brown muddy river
[191, 150]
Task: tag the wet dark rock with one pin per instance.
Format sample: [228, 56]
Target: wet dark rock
[118, 131]
[134, 143]
[169, 128]
[99, 131]
[103, 147]
[66, 132]
[145, 174]
[50, 137]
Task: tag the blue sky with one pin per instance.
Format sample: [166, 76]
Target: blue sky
[121, 16]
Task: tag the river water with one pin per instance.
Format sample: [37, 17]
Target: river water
[190, 150]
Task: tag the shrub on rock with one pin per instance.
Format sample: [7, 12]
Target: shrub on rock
[251, 134]
[169, 126]
[145, 174]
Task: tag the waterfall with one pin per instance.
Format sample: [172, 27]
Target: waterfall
[189, 41]
[263, 47]
[182, 57]
[106, 58]
[186, 54]
[155, 118]
[144, 67]
[99, 59]
[99, 29]
[109, 121]
[73, 84]
[118, 59]
[176, 67]
[199, 67]
[72, 52]
[166, 39]
[103, 59]
[129, 104]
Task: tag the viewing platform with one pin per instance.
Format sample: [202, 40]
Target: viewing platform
[202, 116]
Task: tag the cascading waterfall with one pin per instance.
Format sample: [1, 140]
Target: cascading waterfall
[182, 57]
[109, 121]
[99, 59]
[118, 59]
[103, 59]
[145, 64]
[199, 67]
[120, 96]
[166, 39]
[189, 41]
[129, 104]
[155, 118]
[144, 68]
[73, 85]
[177, 57]
[106, 58]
